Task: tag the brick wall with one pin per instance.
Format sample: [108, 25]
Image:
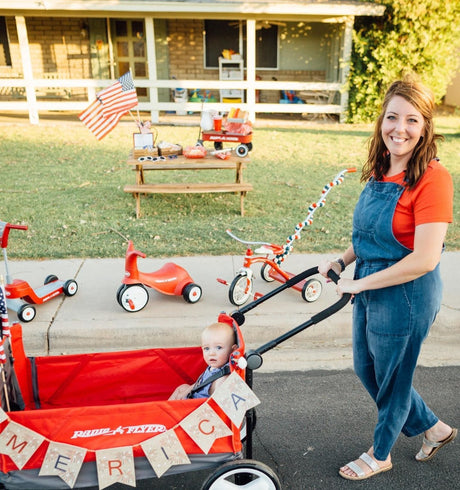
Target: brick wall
[59, 50]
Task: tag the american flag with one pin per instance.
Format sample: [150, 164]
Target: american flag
[4, 313]
[110, 105]
[5, 323]
[119, 97]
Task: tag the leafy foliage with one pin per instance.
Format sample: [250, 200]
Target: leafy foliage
[421, 37]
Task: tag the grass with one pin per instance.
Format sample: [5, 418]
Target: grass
[68, 188]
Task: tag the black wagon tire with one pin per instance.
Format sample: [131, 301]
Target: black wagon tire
[218, 145]
[70, 287]
[265, 273]
[312, 290]
[26, 313]
[240, 290]
[50, 278]
[243, 473]
[192, 293]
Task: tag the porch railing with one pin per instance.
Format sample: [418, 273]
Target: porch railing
[31, 88]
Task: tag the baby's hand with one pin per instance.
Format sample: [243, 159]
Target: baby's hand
[181, 392]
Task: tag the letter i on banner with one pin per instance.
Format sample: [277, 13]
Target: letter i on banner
[63, 460]
[19, 443]
[204, 426]
[115, 466]
[164, 451]
[235, 398]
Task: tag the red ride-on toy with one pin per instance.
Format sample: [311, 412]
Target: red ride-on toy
[20, 296]
[171, 279]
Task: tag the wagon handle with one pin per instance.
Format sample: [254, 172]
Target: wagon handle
[256, 354]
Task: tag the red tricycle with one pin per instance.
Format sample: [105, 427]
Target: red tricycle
[20, 296]
[270, 256]
[170, 279]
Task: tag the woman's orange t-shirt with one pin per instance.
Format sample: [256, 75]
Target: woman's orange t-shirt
[431, 201]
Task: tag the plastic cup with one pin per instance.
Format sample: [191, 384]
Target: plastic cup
[217, 123]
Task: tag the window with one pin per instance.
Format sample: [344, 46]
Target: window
[222, 34]
[5, 56]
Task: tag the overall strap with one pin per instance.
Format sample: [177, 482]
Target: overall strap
[224, 371]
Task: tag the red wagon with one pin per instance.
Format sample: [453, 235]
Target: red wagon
[96, 410]
[96, 419]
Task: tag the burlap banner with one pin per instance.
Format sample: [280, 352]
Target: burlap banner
[116, 465]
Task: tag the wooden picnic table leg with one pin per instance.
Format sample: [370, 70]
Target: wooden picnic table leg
[239, 172]
[242, 196]
[137, 196]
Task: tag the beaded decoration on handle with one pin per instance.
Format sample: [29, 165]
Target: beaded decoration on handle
[288, 246]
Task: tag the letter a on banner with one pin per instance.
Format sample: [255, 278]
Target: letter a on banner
[164, 451]
[235, 397]
[115, 466]
[204, 426]
[63, 460]
[19, 443]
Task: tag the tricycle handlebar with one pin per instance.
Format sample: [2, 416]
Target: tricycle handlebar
[5, 230]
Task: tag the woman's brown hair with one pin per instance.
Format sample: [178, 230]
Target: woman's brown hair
[378, 161]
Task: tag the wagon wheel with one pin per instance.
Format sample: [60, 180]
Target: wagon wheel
[242, 473]
[218, 145]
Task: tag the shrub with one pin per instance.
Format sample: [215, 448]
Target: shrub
[421, 37]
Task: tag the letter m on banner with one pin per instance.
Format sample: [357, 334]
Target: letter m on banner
[19, 443]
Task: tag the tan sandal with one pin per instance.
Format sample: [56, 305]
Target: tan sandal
[360, 474]
[436, 446]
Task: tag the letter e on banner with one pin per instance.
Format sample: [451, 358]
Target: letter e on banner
[19, 443]
[164, 451]
[204, 426]
[235, 397]
[115, 466]
[63, 460]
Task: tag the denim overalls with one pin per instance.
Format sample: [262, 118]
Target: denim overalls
[390, 324]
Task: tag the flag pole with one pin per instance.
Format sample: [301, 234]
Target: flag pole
[5, 387]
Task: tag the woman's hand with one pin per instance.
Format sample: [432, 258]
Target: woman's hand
[326, 265]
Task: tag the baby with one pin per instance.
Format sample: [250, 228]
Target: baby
[217, 342]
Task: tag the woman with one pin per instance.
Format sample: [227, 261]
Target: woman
[399, 226]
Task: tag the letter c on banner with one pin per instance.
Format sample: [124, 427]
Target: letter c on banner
[200, 426]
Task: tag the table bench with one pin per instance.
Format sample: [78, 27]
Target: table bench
[182, 163]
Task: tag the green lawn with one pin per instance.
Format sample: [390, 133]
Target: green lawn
[68, 188]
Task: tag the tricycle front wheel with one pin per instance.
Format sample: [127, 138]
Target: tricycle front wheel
[240, 290]
[132, 297]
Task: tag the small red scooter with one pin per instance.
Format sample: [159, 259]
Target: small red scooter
[170, 279]
[20, 296]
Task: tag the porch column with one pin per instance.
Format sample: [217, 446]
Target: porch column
[27, 68]
[251, 67]
[152, 67]
[345, 65]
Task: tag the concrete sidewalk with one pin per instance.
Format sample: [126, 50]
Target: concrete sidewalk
[93, 321]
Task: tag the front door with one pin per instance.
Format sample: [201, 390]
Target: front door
[129, 50]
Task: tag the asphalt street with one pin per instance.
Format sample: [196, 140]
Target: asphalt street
[311, 423]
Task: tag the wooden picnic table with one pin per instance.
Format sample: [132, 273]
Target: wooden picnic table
[180, 162]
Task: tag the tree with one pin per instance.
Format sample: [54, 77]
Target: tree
[416, 36]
